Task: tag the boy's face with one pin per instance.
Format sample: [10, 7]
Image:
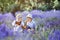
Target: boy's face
[29, 19]
[20, 19]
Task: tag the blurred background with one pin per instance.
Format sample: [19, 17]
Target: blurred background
[46, 14]
[15, 5]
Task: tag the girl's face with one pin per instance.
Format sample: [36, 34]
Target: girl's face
[20, 19]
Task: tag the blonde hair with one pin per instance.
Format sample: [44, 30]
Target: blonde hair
[18, 16]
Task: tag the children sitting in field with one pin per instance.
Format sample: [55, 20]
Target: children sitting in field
[28, 24]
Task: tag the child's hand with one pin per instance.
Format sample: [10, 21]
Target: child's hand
[24, 27]
[29, 30]
[32, 29]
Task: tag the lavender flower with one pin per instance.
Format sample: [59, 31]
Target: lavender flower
[55, 35]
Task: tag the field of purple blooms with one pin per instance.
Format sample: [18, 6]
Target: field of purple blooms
[47, 25]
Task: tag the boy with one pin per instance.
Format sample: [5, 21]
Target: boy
[29, 23]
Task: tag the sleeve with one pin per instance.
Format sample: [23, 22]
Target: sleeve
[34, 25]
[13, 23]
[22, 23]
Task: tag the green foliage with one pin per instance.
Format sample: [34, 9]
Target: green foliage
[9, 5]
[44, 7]
[4, 5]
[56, 4]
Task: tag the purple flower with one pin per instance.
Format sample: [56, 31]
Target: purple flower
[55, 35]
[1, 18]
[24, 14]
[8, 16]
[36, 13]
[3, 31]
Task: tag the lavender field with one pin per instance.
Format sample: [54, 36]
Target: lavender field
[47, 25]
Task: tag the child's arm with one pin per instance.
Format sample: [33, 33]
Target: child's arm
[13, 23]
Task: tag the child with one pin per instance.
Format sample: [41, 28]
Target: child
[29, 23]
[18, 23]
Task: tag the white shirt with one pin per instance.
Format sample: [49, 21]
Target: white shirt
[17, 27]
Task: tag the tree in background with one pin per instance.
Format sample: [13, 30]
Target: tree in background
[18, 5]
